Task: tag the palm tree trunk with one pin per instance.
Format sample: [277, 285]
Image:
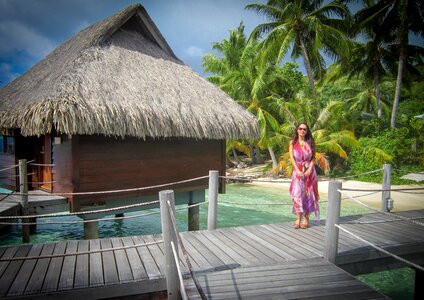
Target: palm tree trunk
[259, 159]
[397, 93]
[252, 154]
[307, 65]
[273, 158]
[377, 93]
[236, 157]
[403, 43]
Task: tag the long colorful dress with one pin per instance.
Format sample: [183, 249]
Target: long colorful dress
[304, 191]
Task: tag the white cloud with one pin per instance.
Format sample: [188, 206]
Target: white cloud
[7, 74]
[194, 51]
[15, 36]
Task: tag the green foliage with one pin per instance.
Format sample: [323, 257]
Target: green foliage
[392, 146]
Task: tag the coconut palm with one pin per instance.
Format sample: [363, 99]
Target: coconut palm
[309, 27]
[396, 18]
[329, 129]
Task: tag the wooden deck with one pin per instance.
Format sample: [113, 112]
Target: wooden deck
[231, 252]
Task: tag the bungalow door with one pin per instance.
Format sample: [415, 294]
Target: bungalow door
[43, 163]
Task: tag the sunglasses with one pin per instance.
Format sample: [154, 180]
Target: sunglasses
[303, 129]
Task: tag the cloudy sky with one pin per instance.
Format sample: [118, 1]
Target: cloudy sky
[30, 29]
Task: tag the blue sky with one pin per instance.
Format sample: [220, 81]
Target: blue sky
[30, 29]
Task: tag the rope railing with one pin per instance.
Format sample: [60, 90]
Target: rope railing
[380, 249]
[12, 193]
[180, 274]
[41, 165]
[9, 168]
[384, 190]
[81, 212]
[379, 211]
[80, 253]
[252, 179]
[81, 221]
[119, 191]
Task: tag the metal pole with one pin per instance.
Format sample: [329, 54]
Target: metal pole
[385, 196]
[333, 215]
[168, 233]
[23, 189]
[213, 199]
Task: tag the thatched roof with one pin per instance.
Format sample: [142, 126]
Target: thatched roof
[119, 77]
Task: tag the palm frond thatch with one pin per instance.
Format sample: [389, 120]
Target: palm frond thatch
[119, 77]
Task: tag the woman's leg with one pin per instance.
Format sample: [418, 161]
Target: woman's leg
[296, 224]
[305, 222]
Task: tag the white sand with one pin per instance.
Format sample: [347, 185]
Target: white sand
[408, 200]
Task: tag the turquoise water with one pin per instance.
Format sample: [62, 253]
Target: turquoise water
[397, 284]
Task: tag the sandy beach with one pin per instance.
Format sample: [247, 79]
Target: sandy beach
[405, 200]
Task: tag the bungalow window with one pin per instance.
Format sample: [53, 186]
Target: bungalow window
[7, 144]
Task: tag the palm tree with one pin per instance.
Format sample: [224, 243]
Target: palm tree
[397, 19]
[247, 77]
[308, 27]
[329, 130]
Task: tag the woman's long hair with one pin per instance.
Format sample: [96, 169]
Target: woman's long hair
[308, 138]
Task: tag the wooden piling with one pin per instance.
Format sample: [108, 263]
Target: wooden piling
[193, 214]
[168, 233]
[333, 215]
[23, 188]
[213, 199]
[387, 178]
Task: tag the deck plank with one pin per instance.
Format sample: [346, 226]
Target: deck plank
[22, 278]
[109, 263]
[134, 259]
[66, 280]
[81, 278]
[95, 264]
[122, 263]
[53, 273]
[35, 283]
[152, 269]
[12, 270]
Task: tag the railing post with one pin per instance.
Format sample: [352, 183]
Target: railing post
[213, 199]
[333, 215]
[23, 189]
[168, 233]
[385, 196]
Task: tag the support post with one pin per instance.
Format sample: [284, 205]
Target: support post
[168, 233]
[91, 230]
[333, 215]
[387, 179]
[213, 199]
[419, 281]
[23, 189]
[193, 214]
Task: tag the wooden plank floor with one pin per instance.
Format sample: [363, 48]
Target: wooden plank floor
[141, 269]
[300, 279]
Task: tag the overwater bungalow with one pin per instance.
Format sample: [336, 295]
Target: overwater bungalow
[114, 108]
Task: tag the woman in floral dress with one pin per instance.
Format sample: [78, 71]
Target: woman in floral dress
[304, 184]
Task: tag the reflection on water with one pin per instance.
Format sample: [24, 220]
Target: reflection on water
[243, 204]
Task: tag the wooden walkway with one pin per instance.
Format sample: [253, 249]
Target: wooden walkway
[232, 252]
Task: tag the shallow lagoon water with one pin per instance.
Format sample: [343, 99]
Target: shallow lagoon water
[243, 204]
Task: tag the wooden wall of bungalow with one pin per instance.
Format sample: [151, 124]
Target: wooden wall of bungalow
[84, 163]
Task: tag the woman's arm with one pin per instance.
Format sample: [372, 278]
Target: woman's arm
[309, 170]
[296, 168]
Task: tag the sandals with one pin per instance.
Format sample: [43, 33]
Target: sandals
[305, 223]
[296, 224]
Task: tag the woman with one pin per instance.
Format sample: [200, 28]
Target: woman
[304, 184]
